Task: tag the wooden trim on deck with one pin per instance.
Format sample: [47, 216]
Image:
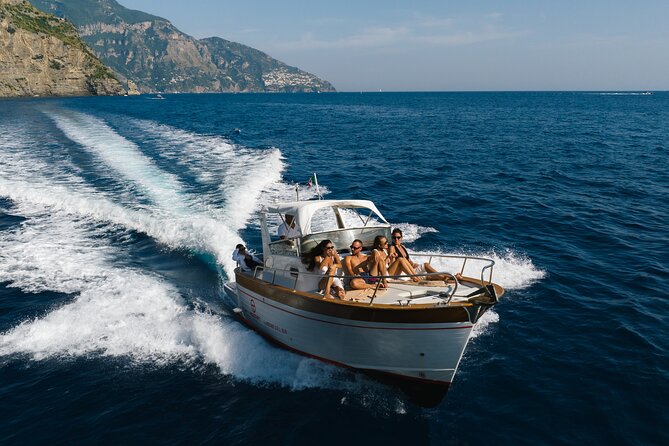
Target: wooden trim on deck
[315, 303]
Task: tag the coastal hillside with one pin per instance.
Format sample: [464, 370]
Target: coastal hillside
[158, 57]
[42, 55]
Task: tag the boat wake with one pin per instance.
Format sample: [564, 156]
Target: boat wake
[108, 316]
[95, 181]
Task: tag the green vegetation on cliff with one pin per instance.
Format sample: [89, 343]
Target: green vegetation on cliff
[43, 55]
[25, 16]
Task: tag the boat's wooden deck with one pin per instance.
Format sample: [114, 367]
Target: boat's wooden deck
[409, 293]
[404, 293]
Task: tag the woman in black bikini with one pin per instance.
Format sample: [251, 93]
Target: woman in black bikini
[398, 251]
[381, 263]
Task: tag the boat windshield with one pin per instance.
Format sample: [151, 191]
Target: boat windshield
[342, 238]
[340, 222]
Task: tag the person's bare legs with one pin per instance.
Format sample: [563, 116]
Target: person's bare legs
[430, 269]
[449, 278]
[325, 284]
[341, 293]
[401, 265]
[377, 267]
[360, 284]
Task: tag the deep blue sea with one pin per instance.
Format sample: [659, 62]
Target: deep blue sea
[118, 217]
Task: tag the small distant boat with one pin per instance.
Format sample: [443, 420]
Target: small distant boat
[647, 93]
[415, 332]
[158, 96]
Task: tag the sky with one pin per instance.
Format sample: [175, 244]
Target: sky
[466, 45]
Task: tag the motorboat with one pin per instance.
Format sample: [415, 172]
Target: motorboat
[414, 332]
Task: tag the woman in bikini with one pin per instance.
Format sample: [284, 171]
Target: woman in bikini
[325, 257]
[382, 264]
[398, 251]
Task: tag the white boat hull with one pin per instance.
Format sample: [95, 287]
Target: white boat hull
[427, 352]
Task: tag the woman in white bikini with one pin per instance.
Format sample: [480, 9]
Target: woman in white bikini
[325, 257]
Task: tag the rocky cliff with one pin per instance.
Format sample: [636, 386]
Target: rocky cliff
[42, 55]
[158, 57]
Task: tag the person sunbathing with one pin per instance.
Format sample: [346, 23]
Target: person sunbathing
[324, 255]
[381, 263]
[356, 265]
[398, 250]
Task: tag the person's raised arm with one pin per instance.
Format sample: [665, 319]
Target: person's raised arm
[392, 253]
[336, 260]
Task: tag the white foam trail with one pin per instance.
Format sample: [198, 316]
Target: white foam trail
[246, 178]
[412, 232]
[197, 234]
[21, 159]
[121, 312]
[125, 157]
[483, 324]
[228, 166]
[208, 158]
[621, 94]
[511, 271]
[213, 230]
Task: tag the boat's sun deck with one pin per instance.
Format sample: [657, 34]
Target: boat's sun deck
[408, 293]
[400, 292]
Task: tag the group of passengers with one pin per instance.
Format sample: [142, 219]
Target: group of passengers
[383, 260]
[364, 270]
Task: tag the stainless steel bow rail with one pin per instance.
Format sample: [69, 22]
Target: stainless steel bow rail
[489, 263]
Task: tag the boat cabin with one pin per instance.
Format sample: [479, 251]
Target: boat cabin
[307, 223]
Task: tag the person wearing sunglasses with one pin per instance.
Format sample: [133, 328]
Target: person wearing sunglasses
[325, 257]
[399, 251]
[381, 263]
[356, 265]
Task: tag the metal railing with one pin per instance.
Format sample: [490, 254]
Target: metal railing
[259, 273]
[260, 270]
[490, 263]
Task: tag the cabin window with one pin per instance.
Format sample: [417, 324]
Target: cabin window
[283, 247]
[278, 246]
[324, 220]
[357, 218]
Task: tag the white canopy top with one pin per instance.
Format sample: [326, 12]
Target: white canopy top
[303, 211]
